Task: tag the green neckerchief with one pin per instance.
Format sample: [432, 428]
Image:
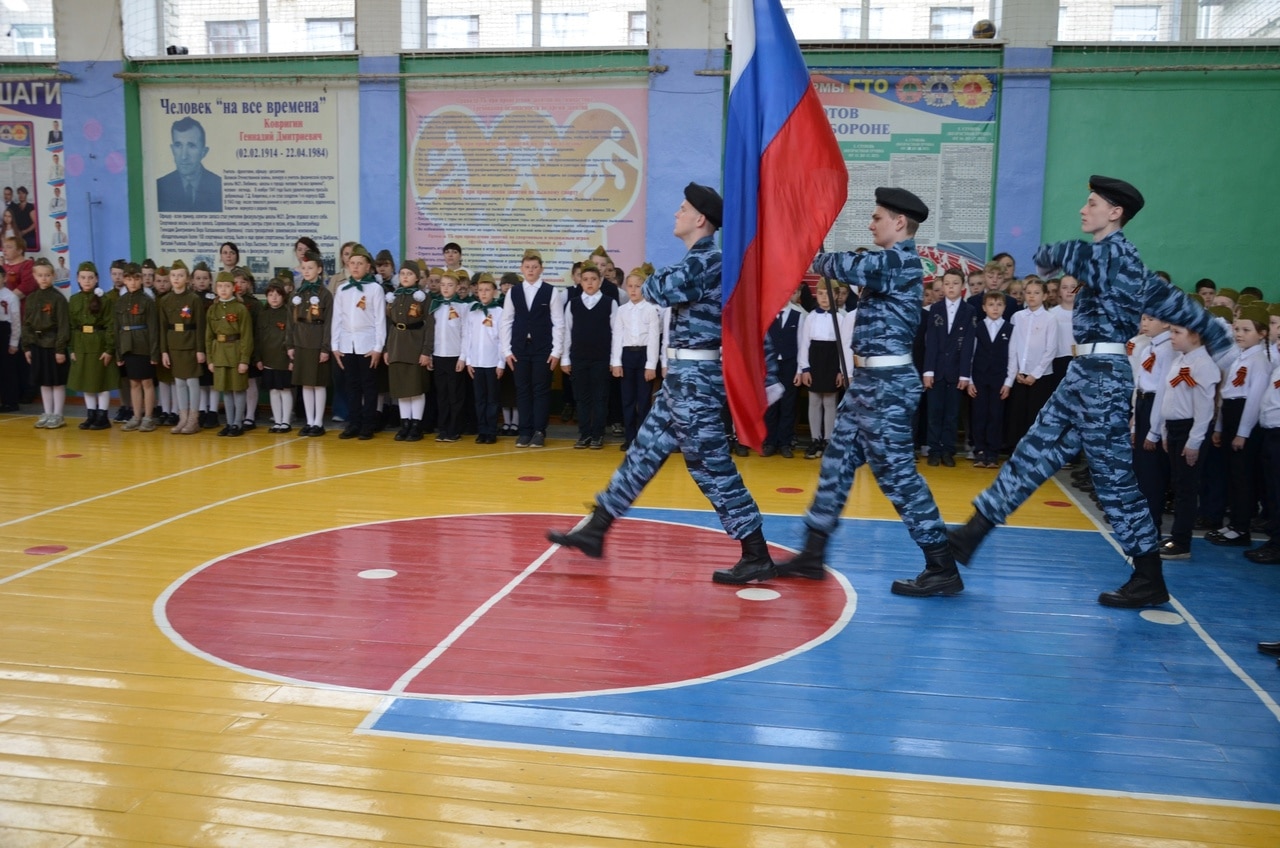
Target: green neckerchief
[367, 279]
[439, 301]
[307, 288]
[493, 304]
[406, 291]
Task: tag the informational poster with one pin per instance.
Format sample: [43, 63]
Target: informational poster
[32, 169]
[933, 134]
[560, 171]
[258, 167]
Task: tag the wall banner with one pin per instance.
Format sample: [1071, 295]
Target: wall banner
[33, 170]
[254, 166]
[933, 134]
[556, 170]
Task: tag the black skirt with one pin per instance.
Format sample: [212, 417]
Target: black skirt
[824, 365]
[275, 379]
[138, 366]
[45, 369]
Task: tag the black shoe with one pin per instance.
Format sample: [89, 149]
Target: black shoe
[768, 450]
[815, 449]
[1170, 549]
[597, 443]
[235, 431]
[964, 540]
[948, 461]
[934, 458]
[625, 446]
[582, 443]
[415, 431]
[807, 563]
[740, 449]
[940, 575]
[524, 441]
[317, 430]
[1145, 588]
[1228, 538]
[100, 421]
[124, 413]
[90, 415]
[1268, 554]
[349, 432]
[1272, 648]
[755, 564]
[208, 419]
[366, 435]
[785, 452]
[539, 440]
[225, 431]
[403, 433]
[588, 536]
[305, 431]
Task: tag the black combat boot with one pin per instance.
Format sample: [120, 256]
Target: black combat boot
[755, 564]
[940, 575]
[964, 540]
[588, 536]
[1145, 588]
[807, 563]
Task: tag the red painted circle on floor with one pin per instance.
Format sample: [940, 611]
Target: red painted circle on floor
[45, 550]
[529, 479]
[646, 614]
[69, 455]
[287, 466]
[787, 490]
[1057, 503]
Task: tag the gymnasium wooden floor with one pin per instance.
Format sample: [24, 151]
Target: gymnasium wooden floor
[277, 641]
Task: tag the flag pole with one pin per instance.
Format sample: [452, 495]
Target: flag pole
[835, 323]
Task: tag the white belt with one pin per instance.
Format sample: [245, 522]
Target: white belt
[687, 353]
[882, 361]
[1100, 348]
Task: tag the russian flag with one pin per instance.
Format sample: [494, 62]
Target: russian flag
[785, 182]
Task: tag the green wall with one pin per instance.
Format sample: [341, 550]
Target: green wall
[1202, 147]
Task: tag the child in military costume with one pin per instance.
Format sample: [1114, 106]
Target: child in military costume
[93, 348]
[46, 338]
[307, 339]
[686, 414]
[1090, 408]
[410, 339]
[271, 352]
[874, 421]
[228, 339]
[246, 293]
[138, 347]
[202, 285]
[182, 350]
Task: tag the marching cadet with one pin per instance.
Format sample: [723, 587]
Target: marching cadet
[686, 413]
[93, 369]
[46, 337]
[138, 347]
[271, 353]
[228, 339]
[874, 423]
[307, 339]
[1091, 405]
[410, 339]
[182, 351]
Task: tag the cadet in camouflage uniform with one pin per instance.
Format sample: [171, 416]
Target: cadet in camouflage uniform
[686, 413]
[1091, 405]
[874, 420]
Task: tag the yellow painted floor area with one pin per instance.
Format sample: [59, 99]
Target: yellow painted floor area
[110, 735]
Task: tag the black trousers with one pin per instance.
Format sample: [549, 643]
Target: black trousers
[1150, 467]
[450, 395]
[486, 392]
[591, 388]
[533, 387]
[986, 420]
[361, 383]
[780, 417]
[1242, 495]
[1185, 480]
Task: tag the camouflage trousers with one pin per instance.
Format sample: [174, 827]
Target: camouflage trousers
[686, 414]
[1090, 408]
[874, 426]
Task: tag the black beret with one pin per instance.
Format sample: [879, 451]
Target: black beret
[1118, 193]
[707, 201]
[903, 202]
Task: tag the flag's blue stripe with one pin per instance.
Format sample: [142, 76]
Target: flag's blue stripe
[766, 94]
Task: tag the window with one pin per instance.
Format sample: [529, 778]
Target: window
[951, 23]
[453, 32]
[637, 29]
[559, 29]
[850, 23]
[329, 35]
[227, 37]
[33, 39]
[875, 22]
[1135, 23]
